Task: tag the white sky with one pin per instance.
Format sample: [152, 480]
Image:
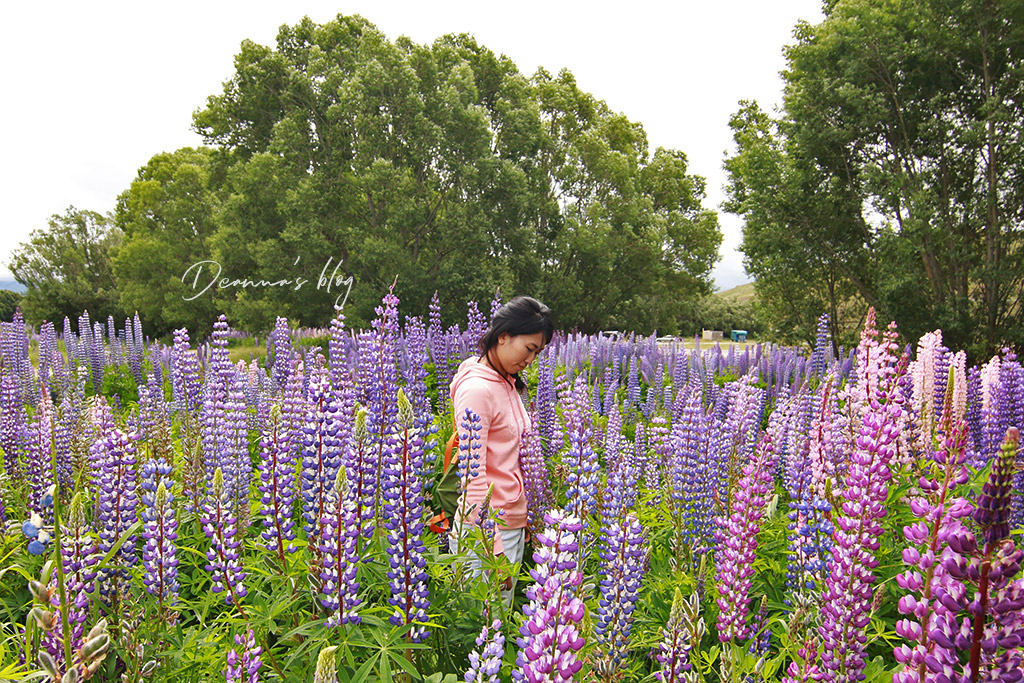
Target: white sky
[94, 89]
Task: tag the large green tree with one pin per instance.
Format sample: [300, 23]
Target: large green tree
[66, 268]
[439, 164]
[899, 161]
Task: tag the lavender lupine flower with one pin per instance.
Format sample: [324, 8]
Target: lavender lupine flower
[326, 666]
[846, 602]
[185, 385]
[536, 478]
[930, 585]
[403, 514]
[247, 668]
[583, 477]
[476, 326]
[622, 570]
[280, 341]
[223, 419]
[550, 636]
[218, 522]
[551, 440]
[116, 477]
[38, 441]
[321, 456]
[485, 661]
[819, 358]
[80, 556]
[277, 485]
[12, 423]
[737, 542]
[681, 634]
[692, 483]
[381, 390]
[159, 547]
[340, 555]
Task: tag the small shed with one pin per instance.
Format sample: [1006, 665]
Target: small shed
[738, 335]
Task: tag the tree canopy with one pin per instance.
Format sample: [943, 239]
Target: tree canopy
[892, 177]
[339, 151]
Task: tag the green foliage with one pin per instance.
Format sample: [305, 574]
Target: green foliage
[66, 269]
[9, 302]
[341, 152]
[120, 381]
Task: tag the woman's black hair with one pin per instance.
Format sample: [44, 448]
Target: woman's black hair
[521, 315]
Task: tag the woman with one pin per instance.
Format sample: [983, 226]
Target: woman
[489, 385]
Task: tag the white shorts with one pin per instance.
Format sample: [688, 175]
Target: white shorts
[514, 541]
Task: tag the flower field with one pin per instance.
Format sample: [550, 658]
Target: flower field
[696, 514]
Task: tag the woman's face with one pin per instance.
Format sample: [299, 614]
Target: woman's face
[515, 353]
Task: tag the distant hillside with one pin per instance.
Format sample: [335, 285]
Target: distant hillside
[12, 284]
[740, 293]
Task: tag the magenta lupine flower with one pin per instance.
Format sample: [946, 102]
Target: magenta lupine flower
[244, 669]
[806, 669]
[621, 572]
[403, 519]
[550, 636]
[848, 594]
[737, 542]
[339, 536]
[116, 478]
[485, 661]
[218, 521]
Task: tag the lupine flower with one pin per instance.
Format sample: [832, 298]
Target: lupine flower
[381, 356]
[846, 603]
[806, 669]
[584, 469]
[218, 521]
[159, 547]
[403, 514]
[485, 661]
[929, 584]
[326, 666]
[819, 359]
[247, 668]
[737, 542]
[622, 570]
[550, 637]
[113, 465]
[470, 443]
[683, 631]
[12, 423]
[536, 478]
[277, 486]
[185, 374]
[338, 537]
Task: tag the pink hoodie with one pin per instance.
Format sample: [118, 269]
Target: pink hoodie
[503, 421]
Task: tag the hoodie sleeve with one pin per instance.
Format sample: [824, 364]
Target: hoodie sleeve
[477, 396]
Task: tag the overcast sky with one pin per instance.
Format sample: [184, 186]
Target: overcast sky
[94, 89]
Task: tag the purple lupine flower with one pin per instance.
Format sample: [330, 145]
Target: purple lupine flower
[280, 347]
[38, 441]
[550, 636]
[485, 661]
[159, 547]
[476, 326]
[662, 446]
[12, 424]
[632, 384]
[819, 358]
[277, 485]
[321, 456]
[381, 392]
[583, 477]
[929, 583]
[218, 521]
[495, 304]
[846, 602]
[621, 572]
[737, 542]
[415, 366]
[536, 478]
[340, 555]
[116, 478]
[185, 385]
[78, 549]
[403, 514]
[247, 668]
[681, 634]
[806, 669]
